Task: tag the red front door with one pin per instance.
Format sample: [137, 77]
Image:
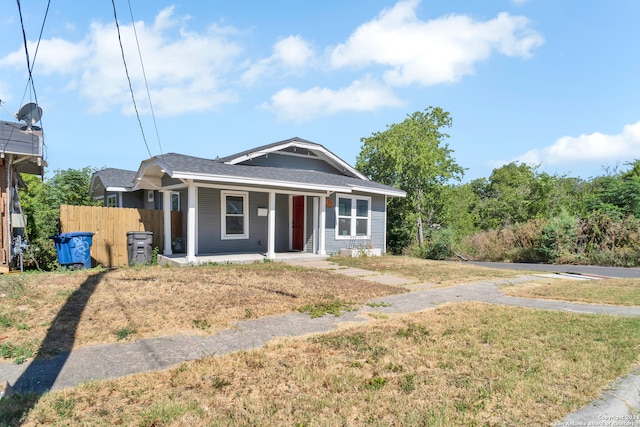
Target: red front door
[297, 224]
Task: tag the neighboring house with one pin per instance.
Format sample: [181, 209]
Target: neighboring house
[115, 188]
[20, 152]
[292, 195]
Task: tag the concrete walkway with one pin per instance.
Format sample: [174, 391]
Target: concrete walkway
[618, 406]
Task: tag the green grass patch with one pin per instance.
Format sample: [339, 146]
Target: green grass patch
[18, 352]
[6, 321]
[319, 309]
[201, 324]
[164, 413]
[378, 304]
[124, 333]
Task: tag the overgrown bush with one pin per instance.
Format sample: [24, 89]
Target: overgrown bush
[558, 238]
[439, 243]
[597, 239]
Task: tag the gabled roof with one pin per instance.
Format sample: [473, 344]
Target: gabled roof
[182, 167]
[25, 144]
[112, 179]
[295, 147]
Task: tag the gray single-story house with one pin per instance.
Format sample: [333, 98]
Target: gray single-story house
[292, 195]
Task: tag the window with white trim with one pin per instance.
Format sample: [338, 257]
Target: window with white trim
[235, 214]
[112, 201]
[353, 215]
[175, 201]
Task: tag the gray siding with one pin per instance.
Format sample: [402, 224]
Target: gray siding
[157, 199]
[168, 181]
[209, 238]
[133, 199]
[378, 237]
[282, 223]
[292, 162]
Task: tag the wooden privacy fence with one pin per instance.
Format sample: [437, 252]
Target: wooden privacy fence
[110, 226]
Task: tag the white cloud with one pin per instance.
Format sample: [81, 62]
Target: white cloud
[593, 148]
[363, 95]
[291, 55]
[184, 71]
[441, 50]
[54, 56]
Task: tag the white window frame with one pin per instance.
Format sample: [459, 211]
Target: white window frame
[223, 215]
[174, 194]
[354, 210]
[113, 197]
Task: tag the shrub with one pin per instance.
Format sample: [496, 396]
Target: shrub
[558, 238]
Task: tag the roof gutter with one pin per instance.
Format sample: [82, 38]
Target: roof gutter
[260, 182]
[387, 192]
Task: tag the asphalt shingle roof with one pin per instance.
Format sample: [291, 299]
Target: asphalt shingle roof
[179, 163]
[112, 177]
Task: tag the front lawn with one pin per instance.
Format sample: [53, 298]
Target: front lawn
[458, 364]
[86, 307]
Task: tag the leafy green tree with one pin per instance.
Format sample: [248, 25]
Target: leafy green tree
[615, 195]
[412, 156]
[71, 187]
[508, 198]
[41, 200]
[458, 210]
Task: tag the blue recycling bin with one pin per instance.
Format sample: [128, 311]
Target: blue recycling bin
[74, 249]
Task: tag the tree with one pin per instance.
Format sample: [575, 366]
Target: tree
[41, 200]
[412, 156]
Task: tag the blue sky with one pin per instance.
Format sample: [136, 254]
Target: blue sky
[550, 83]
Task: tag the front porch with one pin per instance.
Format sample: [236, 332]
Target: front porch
[180, 260]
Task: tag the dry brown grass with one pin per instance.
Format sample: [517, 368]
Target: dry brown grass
[606, 291]
[458, 364]
[427, 271]
[91, 307]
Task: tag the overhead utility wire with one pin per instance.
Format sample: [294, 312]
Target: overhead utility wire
[30, 64]
[126, 69]
[144, 74]
[33, 64]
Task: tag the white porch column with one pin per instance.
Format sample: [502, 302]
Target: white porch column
[315, 216]
[191, 221]
[384, 235]
[271, 233]
[322, 226]
[166, 209]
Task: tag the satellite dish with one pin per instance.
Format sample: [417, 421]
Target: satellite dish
[30, 114]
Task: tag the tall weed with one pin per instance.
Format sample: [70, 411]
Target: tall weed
[599, 239]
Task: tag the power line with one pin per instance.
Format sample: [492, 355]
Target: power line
[30, 64]
[144, 74]
[126, 69]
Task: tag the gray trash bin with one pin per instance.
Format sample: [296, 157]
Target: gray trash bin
[139, 247]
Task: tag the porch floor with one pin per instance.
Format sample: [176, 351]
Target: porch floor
[180, 260]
